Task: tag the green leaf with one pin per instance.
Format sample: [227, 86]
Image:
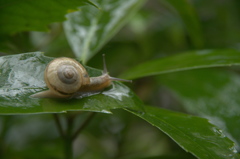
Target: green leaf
[185, 61]
[89, 29]
[22, 75]
[209, 93]
[169, 155]
[28, 15]
[190, 19]
[193, 134]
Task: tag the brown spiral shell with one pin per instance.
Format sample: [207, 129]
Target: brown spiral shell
[65, 76]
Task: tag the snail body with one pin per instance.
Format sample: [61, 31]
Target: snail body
[66, 77]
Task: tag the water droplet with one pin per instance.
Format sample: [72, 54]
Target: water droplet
[218, 132]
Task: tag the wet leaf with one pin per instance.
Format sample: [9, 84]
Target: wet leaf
[22, 75]
[27, 15]
[213, 94]
[193, 134]
[184, 61]
[89, 29]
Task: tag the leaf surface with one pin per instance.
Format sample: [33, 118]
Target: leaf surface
[89, 29]
[193, 134]
[22, 75]
[184, 61]
[213, 94]
[28, 15]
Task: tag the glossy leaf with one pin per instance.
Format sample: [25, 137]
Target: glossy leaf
[27, 15]
[194, 134]
[212, 94]
[190, 19]
[185, 61]
[22, 75]
[89, 29]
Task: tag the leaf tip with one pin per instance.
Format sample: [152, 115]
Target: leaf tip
[93, 4]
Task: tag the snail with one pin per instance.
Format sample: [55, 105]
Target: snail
[66, 77]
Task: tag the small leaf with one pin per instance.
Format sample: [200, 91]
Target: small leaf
[89, 29]
[193, 134]
[28, 15]
[22, 75]
[185, 61]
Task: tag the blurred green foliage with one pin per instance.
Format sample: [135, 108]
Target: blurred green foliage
[160, 29]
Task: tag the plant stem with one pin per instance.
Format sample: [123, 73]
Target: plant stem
[58, 124]
[68, 148]
[85, 123]
[6, 120]
[68, 138]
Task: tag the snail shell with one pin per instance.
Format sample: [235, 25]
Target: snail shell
[65, 77]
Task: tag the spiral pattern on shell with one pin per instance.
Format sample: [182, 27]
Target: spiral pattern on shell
[65, 75]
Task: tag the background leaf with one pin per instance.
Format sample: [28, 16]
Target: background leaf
[193, 134]
[26, 15]
[22, 75]
[186, 61]
[190, 21]
[89, 29]
[216, 96]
